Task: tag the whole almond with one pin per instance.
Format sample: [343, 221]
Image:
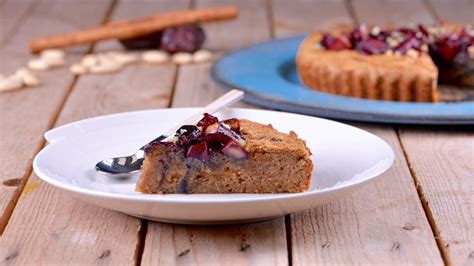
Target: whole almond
[52, 53]
[11, 83]
[89, 60]
[202, 56]
[31, 80]
[22, 72]
[38, 64]
[182, 58]
[53, 61]
[78, 69]
[155, 57]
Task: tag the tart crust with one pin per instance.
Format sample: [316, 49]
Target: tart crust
[382, 77]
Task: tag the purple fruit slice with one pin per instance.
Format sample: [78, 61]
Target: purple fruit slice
[233, 150]
[198, 151]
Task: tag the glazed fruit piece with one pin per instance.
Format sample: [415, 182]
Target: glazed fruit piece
[230, 156]
[387, 64]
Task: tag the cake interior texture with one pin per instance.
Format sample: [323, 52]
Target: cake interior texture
[275, 163]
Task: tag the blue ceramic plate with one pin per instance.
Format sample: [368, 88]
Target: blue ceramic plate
[267, 74]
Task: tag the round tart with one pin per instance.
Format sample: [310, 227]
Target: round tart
[392, 65]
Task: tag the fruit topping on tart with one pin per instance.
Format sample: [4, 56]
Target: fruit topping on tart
[390, 64]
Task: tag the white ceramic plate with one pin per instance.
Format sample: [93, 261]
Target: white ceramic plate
[345, 159]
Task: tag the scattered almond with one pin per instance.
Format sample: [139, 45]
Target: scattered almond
[53, 62]
[413, 53]
[392, 42]
[31, 80]
[53, 57]
[105, 67]
[470, 51]
[38, 64]
[424, 48]
[89, 60]
[202, 56]
[375, 31]
[155, 57]
[78, 69]
[182, 58]
[52, 53]
[11, 83]
[126, 58]
[22, 72]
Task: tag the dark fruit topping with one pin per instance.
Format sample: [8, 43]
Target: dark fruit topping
[198, 151]
[234, 124]
[410, 43]
[149, 41]
[206, 121]
[235, 151]
[209, 137]
[188, 38]
[443, 47]
[187, 135]
[335, 44]
[221, 134]
[371, 46]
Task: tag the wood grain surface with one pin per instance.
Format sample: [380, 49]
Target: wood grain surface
[26, 114]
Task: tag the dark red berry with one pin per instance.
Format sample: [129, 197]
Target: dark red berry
[188, 38]
[149, 41]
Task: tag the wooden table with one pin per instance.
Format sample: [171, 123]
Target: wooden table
[420, 212]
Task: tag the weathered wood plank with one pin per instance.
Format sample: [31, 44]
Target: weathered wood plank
[11, 14]
[257, 244]
[50, 227]
[302, 17]
[234, 34]
[397, 12]
[384, 223]
[26, 114]
[442, 160]
[461, 11]
[253, 244]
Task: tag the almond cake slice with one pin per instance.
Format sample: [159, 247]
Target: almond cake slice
[231, 156]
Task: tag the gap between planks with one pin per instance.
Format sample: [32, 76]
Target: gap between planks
[424, 203]
[54, 117]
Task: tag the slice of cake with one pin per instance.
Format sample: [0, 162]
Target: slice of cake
[399, 64]
[231, 156]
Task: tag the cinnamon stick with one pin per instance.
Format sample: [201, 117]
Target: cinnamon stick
[133, 28]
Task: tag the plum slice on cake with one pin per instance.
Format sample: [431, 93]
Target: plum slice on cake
[229, 156]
